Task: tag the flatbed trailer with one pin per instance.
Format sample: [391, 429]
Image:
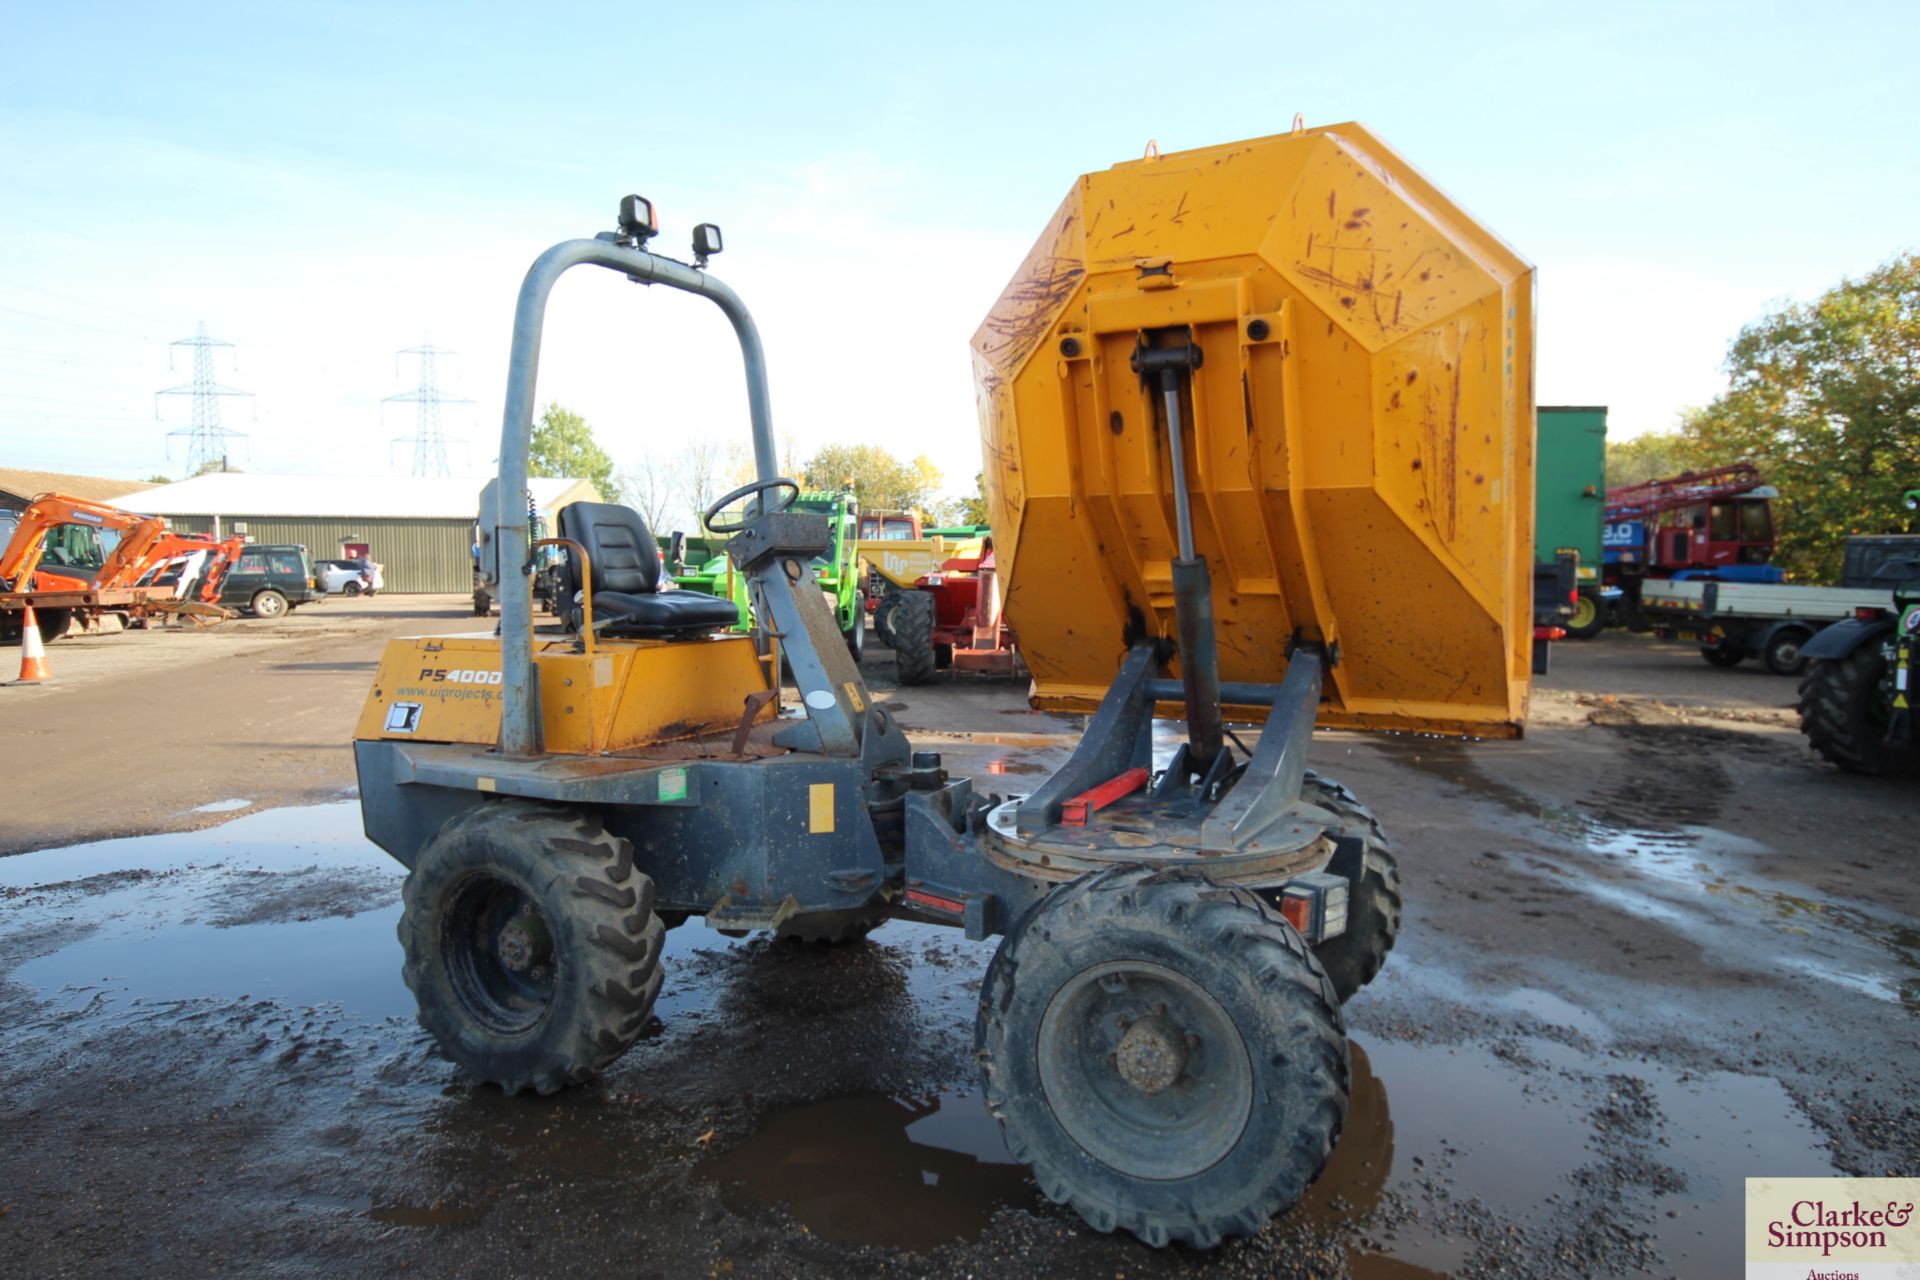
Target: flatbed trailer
[56, 611]
[1770, 621]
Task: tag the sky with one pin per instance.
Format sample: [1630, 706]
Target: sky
[325, 185]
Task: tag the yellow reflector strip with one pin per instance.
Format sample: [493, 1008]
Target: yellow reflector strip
[820, 809]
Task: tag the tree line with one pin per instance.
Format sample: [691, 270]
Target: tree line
[1824, 397]
[671, 491]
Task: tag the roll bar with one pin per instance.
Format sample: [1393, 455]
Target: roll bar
[520, 705]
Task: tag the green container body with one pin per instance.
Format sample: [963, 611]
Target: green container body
[1570, 485]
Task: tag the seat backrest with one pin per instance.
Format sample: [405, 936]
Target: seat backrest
[619, 546]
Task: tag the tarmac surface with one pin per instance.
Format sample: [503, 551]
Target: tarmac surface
[1650, 950]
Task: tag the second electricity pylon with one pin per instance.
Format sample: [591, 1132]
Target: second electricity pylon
[429, 445]
[206, 438]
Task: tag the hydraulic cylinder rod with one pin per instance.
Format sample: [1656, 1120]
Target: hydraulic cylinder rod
[1192, 581]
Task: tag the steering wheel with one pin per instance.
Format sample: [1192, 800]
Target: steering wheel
[712, 518]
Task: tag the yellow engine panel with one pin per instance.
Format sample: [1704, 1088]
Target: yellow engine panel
[1360, 455]
[625, 695]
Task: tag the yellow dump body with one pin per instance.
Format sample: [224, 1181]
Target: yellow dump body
[1359, 436]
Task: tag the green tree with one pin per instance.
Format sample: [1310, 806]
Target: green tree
[563, 445]
[973, 507]
[880, 481]
[158, 479]
[1824, 397]
[1646, 457]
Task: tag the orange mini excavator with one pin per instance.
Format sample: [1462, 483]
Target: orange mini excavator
[92, 557]
[58, 545]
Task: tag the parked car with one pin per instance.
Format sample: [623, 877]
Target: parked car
[269, 580]
[338, 578]
[346, 577]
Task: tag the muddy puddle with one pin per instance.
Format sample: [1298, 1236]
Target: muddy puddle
[1485, 1149]
[1535, 1130]
[1668, 864]
[287, 905]
[909, 1173]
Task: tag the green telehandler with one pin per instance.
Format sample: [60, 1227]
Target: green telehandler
[837, 571]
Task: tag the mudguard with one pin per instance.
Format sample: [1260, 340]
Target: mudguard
[1842, 638]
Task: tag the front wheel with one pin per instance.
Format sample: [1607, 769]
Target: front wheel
[353, 588]
[269, 604]
[1165, 1053]
[531, 945]
[1846, 707]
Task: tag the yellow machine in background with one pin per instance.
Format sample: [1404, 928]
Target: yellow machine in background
[1361, 431]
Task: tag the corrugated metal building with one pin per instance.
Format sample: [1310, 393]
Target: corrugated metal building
[419, 529]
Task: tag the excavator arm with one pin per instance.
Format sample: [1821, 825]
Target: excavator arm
[170, 547]
[49, 511]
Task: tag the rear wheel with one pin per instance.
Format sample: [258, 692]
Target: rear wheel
[913, 637]
[1354, 958]
[269, 604]
[531, 945]
[1165, 1053]
[1589, 617]
[353, 587]
[1724, 654]
[1782, 654]
[1845, 708]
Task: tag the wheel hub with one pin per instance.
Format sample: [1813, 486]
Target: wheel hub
[1152, 1055]
[515, 948]
[521, 943]
[1144, 1069]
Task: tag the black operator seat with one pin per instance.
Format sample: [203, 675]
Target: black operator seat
[627, 599]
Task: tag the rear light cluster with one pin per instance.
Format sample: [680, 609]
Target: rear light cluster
[1316, 905]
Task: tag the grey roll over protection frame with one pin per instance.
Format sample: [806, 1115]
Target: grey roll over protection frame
[519, 708]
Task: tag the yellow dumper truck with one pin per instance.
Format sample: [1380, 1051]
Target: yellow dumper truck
[1258, 421]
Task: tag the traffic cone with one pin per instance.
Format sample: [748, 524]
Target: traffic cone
[33, 651]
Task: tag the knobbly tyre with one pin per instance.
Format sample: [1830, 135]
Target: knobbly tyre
[1160, 1030]
[1856, 701]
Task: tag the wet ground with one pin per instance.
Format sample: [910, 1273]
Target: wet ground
[1651, 950]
